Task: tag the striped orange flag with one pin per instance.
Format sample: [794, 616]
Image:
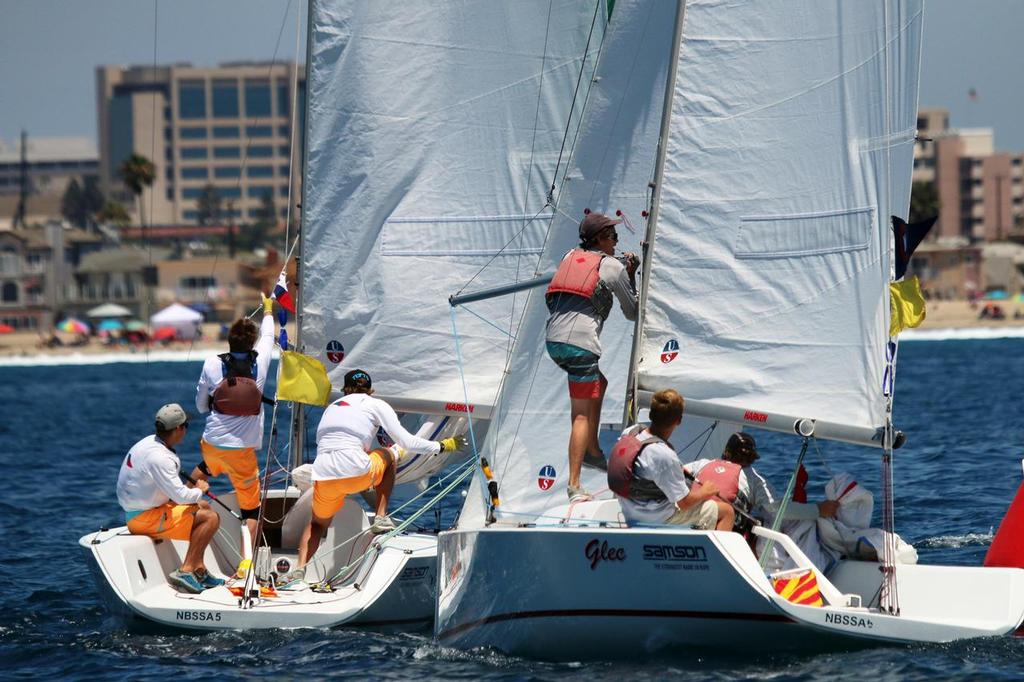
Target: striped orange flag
[801, 588]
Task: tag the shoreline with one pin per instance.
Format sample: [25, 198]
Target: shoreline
[945, 321]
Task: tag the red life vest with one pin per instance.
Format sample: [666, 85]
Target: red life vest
[622, 478]
[237, 394]
[725, 475]
[579, 273]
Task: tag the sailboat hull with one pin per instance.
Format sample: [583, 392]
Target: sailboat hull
[391, 582]
[570, 593]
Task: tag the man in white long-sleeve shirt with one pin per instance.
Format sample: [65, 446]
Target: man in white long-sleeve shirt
[230, 392]
[347, 462]
[156, 503]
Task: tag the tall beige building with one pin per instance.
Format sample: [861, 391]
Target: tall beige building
[980, 190]
[227, 126]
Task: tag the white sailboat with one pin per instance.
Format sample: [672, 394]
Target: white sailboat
[432, 133]
[786, 143]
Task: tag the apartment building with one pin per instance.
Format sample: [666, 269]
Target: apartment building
[47, 166]
[980, 190]
[227, 126]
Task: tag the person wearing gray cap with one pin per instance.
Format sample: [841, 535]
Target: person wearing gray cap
[156, 503]
[579, 298]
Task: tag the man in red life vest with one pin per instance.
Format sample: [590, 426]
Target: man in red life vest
[646, 475]
[737, 479]
[580, 297]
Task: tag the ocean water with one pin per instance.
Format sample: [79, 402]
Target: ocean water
[64, 429]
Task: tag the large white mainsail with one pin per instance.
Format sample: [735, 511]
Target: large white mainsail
[791, 140]
[611, 169]
[434, 132]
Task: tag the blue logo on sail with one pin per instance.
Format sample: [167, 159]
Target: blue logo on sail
[670, 351]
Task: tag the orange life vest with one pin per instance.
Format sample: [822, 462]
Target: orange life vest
[579, 273]
[622, 478]
[725, 475]
[237, 394]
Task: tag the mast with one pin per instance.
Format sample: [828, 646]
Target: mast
[298, 428]
[630, 410]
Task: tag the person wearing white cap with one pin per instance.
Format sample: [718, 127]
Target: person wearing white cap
[580, 297]
[156, 502]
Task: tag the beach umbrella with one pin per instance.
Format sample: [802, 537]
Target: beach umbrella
[109, 310]
[164, 333]
[135, 326]
[6, 329]
[997, 295]
[110, 325]
[73, 326]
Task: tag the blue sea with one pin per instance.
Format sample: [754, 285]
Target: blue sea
[63, 432]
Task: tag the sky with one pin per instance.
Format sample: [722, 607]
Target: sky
[49, 50]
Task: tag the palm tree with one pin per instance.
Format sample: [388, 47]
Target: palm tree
[137, 172]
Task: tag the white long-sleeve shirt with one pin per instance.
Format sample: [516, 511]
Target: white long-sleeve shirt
[227, 430]
[348, 431]
[764, 502]
[149, 478]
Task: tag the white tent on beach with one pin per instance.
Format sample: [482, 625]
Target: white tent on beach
[186, 321]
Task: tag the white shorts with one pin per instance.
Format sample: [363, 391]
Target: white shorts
[703, 516]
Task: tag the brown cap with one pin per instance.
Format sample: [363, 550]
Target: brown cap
[593, 223]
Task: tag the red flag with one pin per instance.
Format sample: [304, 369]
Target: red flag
[281, 294]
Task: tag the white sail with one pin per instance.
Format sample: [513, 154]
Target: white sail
[434, 131]
[792, 132]
[613, 164]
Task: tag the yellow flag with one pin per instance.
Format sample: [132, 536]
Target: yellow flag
[303, 379]
[907, 305]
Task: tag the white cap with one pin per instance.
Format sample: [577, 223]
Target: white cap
[170, 416]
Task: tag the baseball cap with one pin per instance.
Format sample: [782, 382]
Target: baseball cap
[358, 378]
[593, 223]
[170, 416]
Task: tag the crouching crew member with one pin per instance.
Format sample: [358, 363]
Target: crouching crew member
[230, 389]
[156, 503]
[347, 461]
[646, 475]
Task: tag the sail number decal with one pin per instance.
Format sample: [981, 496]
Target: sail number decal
[197, 615]
[546, 477]
[335, 351]
[670, 351]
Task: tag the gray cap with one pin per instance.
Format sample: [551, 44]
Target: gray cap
[170, 417]
[593, 223]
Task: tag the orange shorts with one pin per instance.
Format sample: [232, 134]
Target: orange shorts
[169, 521]
[329, 496]
[240, 466]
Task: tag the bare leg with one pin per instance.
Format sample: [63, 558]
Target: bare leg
[726, 516]
[311, 539]
[594, 418]
[387, 483]
[579, 437]
[203, 529]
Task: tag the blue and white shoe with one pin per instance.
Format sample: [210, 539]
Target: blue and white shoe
[185, 582]
[208, 580]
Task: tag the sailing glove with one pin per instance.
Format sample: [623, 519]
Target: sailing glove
[454, 443]
[268, 305]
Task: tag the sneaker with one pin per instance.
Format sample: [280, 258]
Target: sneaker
[382, 524]
[243, 568]
[293, 579]
[207, 579]
[596, 462]
[578, 494]
[185, 582]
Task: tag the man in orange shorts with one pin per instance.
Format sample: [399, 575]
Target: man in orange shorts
[347, 463]
[230, 389]
[156, 503]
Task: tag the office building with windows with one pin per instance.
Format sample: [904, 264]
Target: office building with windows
[228, 127]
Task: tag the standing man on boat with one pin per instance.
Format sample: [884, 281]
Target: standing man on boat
[156, 503]
[346, 461]
[645, 474]
[579, 298]
[230, 389]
